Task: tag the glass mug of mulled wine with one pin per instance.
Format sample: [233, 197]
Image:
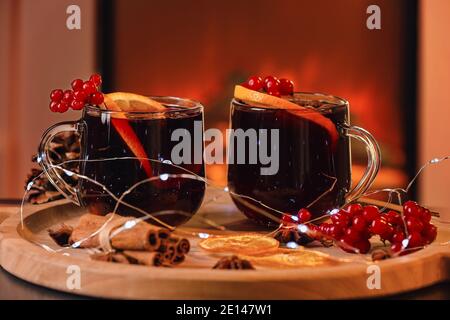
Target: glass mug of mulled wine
[313, 154]
[129, 154]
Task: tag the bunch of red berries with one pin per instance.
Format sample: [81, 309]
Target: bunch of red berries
[82, 92]
[353, 226]
[271, 85]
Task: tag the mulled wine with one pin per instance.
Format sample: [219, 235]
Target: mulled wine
[113, 141]
[313, 169]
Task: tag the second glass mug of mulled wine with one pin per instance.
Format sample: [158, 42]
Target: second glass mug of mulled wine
[123, 150]
[314, 159]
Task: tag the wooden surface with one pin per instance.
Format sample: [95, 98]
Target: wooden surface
[197, 280]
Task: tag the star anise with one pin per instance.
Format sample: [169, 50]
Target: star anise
[233, 262]
[291, 234]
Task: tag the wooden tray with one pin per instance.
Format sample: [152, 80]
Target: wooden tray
[194, 279]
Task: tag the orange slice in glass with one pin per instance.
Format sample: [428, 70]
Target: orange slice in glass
[249, 244]
[130, 102]
[264, 100]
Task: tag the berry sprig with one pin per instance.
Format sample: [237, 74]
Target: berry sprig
[352, 227]
[271, 85]
[82, 93]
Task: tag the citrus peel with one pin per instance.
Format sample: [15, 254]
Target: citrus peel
[129, 102]
[263, 100]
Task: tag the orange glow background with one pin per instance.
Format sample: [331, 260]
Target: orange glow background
[198, 50]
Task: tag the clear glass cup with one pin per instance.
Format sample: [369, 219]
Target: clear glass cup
[122, 149]
[314, 158]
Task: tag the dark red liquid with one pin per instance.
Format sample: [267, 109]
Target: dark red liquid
[307, 164]
[100, 140]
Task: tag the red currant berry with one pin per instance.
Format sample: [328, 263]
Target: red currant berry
[388, 233]
[77, 84]
[89, 87]
[274, 93]
[359, 223]
[371, 213]
[336, 232]
[415, 240]
[323, 226]
[68, 96]
[287, 219]
[393, 218]
[353, 235]
[378, 226]
[96, 98]
[398, 237]
[79, 95]
[62, 106]
[254, 83]
[342, 215]
[354, 209]
[270, 78]
[53, 106]
[313, 232]
[425, 216]
[414, 224]
[429, 233]
[96, 79]
[56, 95]
[365, 234]
[77, 105]
[341, 224]
[410, 207]
[396, 247]
[362, 245]
[286, 87]
[271, 84]
[304, 215]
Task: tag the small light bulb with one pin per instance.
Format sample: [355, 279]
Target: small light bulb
[292, 245]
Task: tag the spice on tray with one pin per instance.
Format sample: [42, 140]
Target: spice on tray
[233, 262]
[123, 240]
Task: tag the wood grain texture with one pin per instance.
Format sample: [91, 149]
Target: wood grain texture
[195, 279]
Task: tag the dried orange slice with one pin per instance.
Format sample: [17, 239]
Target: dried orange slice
[291, 259]
[129, 102]
[264, 100]
[250, 244]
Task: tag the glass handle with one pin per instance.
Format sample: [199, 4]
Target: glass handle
[373, 161]
[49, 168]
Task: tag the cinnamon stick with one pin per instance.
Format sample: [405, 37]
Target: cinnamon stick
[181, 245]
[174, 249]
[145, 258]
[138, 243]
[111, 257]
[142, 236]
[178, 259]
